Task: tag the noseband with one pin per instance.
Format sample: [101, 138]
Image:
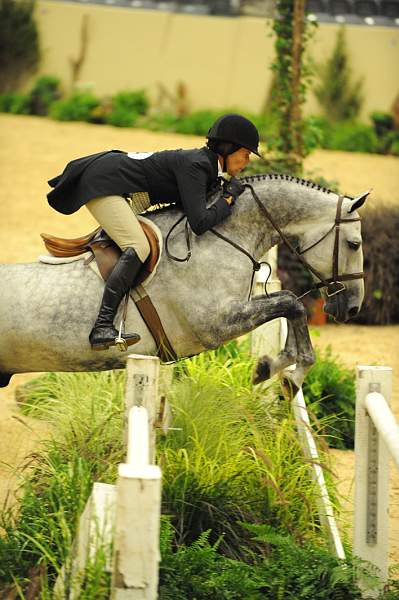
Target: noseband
[335, 283]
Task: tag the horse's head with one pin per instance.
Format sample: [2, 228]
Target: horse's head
[335, 251]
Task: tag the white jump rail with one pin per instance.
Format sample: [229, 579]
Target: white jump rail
[309, 448]
[376, 440]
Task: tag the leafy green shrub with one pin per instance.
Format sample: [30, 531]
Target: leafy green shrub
[120, 117]
[136, 101]
[247, 467]
[383, 122]
[308, 571]
[197, 123]
[44, 92]
[127, 106]
[351, 137]
[19, 42]
[388, 136]
[280, 570]
[312, 135]
[15, 103]
[78, 107]
[339, 97]
[160, 122]
[395, 147]
[329, 388]
[199, 571]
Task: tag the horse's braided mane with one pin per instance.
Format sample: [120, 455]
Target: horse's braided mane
[282, 177]
[159, 208]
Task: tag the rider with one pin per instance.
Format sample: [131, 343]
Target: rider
[105, 181]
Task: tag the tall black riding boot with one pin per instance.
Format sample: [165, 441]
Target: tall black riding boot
[120, 281]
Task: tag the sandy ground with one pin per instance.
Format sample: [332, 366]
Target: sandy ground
[33, 149]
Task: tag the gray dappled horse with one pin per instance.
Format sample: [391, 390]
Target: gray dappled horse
[47, 311]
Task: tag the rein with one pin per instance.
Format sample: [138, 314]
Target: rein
[255, 264]
[333, 284]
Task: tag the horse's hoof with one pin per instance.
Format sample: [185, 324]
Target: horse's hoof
[262, 370]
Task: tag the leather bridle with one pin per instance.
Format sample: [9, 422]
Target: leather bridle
[335, 283]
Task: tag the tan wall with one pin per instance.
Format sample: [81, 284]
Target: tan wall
[223, 61]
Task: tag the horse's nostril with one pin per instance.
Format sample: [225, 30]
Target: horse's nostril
[353, 311]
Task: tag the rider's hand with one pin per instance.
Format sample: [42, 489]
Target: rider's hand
[233, 188]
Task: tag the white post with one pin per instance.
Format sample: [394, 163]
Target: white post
[141, 389]
[371, 518]
[96, 526]
[136, 552]
[266, 338]
[164, 418]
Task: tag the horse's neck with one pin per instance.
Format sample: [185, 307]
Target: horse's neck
[294, 207]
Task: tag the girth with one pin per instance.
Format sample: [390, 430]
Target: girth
[106, 254]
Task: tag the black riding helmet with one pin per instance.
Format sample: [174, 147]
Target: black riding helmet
[236, 129]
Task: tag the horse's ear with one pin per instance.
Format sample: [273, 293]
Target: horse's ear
[359, 201]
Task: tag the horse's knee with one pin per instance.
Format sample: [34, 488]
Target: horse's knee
[294, 307]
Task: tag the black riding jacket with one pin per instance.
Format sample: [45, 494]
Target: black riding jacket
[183, 177]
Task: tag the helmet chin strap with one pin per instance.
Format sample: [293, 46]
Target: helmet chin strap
[224, 163]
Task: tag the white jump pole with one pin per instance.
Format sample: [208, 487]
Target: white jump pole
[141, 389]
[138, 498]
[309, 448]
[371, 518]
[325, 508]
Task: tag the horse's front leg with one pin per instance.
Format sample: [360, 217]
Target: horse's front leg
[298, 350]
[268, 367]
[299, 332]
[242, 317]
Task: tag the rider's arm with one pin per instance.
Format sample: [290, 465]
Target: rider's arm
[192, 184]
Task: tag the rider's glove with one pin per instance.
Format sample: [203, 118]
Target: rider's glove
[233, 188]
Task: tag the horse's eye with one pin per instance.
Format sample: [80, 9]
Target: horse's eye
[354, 245]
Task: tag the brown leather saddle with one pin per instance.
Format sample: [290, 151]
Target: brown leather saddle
[106, 253]
[104, 250]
